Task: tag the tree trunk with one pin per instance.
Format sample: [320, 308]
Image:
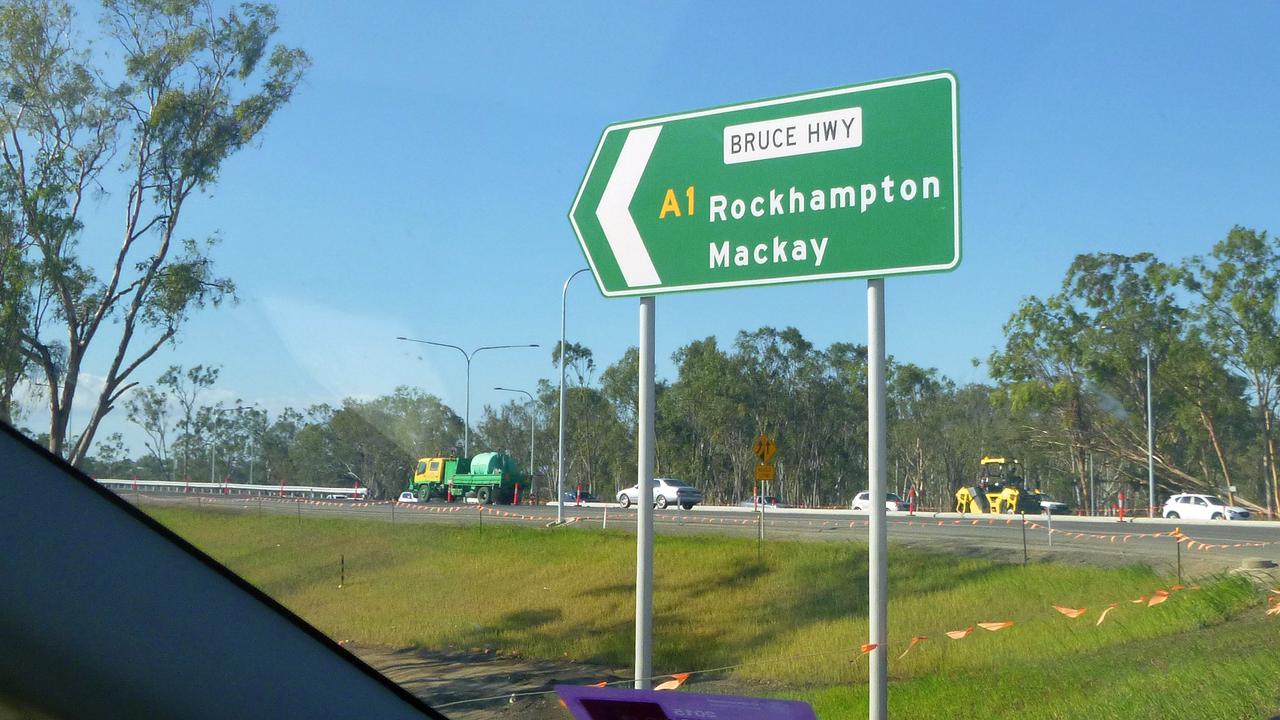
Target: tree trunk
[1271, 453]
[1211, 428]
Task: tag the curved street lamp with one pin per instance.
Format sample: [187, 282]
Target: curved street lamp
[532, 406]
[564, 298]
[466, 428]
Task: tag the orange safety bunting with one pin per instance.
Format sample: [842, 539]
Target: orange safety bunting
[959, 634]
[1140, 600]
[602, 683]
[914, 641]
[867, 647]
[1103, 616]
[1070, 612]
[994, 626]
[676, 681]
[1159, 597]
[1176, 588]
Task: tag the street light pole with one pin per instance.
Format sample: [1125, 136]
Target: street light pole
[532, 406]
[564, 298]
[1151, 464]
[466, 428]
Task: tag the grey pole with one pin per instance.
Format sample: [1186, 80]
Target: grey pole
[564, 297]
[1093, 505]
[532, 423]
[644, 504]
[1151, 463]
[532, 406]
[877, 479]
[466, 423]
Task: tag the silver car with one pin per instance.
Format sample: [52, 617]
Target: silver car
[666, 491]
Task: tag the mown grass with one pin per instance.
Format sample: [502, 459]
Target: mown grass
[793, 621]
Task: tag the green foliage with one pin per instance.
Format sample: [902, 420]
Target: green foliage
[189, 87]
[1074, 366]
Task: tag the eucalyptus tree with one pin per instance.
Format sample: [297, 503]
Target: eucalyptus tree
[148, 408]
[1132, 319]
[1238, 283]
[1045, 377]
[185, 386]
[705, 433]
[186, 87]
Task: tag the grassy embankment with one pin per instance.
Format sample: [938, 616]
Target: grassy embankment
[793, 623]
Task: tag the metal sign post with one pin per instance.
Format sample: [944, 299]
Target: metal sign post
[644, 501]
[877, 480]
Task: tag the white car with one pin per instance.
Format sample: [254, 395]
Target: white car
[862, 502]
[1201, 507]
[1053, 507]
[666, 491]
[407, 497]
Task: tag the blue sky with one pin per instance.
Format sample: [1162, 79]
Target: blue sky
[419, 182]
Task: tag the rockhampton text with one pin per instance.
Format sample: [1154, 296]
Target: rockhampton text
[792, 201]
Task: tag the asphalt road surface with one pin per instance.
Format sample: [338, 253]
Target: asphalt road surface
[1206, 546]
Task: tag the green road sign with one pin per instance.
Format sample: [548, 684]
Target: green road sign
[859, 181]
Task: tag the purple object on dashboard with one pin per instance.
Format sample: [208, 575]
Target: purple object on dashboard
[596, 703]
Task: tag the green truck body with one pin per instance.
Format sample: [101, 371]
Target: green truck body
[488, 477]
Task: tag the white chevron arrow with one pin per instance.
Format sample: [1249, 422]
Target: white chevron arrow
[615, 216]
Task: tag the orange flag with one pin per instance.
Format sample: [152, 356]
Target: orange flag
[1139, 601]
[676, 681]
[914, 641]
[959, 634]
[868, 647]
[1103, 616]
[1158, 598]
[602, 683]
[1176, 588]
[1070, 612]
[994, 626]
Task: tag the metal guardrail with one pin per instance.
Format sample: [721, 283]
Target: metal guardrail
[205, 488]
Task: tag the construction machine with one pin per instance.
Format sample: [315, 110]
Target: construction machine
[1000, 488]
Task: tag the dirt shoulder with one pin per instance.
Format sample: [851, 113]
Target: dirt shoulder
[443, 677]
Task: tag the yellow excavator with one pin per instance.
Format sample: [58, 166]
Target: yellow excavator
[1000, 489]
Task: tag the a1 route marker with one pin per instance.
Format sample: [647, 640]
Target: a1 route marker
[859, 181]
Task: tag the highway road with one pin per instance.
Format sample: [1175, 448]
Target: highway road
[1206, 546]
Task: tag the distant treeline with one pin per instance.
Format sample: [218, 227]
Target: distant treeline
[1069, 387]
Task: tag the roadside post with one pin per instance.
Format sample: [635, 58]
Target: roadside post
[1024, 538]
[1177, 543]
[764, 448]
[860, 181]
